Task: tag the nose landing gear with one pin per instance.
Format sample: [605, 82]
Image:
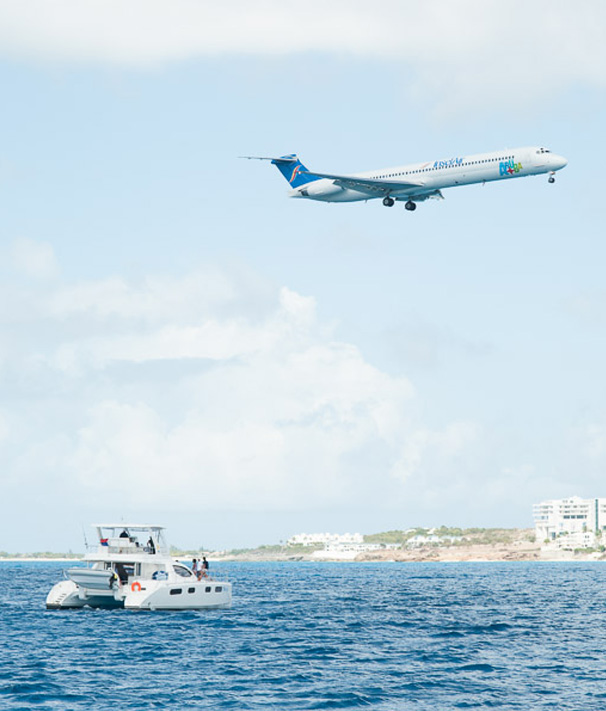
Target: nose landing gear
[551, 178]
[410, 205]
[388, 202]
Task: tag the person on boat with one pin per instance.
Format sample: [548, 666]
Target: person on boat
[151, 545]
[203, 568]
[194, 567]
[124, 534]
[122, 573]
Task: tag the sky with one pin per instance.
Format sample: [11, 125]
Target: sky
[182, 344]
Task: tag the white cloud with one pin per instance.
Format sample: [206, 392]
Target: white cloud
[169, 391]
[34, 259]
[445, 444]
[465, 52]
[594, 440]
[162, 393]
[4, 429]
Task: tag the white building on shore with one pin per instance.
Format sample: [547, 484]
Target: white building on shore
[325, 539]
[570, 523]
[335, 546]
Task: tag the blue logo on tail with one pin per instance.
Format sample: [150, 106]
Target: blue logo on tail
[293, 170]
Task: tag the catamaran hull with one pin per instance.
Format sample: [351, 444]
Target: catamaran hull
[149, 595]
[67, 595]
[198, 595]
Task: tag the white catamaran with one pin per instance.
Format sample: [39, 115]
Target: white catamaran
[122, 571]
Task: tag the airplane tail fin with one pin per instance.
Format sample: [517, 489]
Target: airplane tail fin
[293, 170]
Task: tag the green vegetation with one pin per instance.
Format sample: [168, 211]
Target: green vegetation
[276, 550]
[490, 536]
[461, 536]
[391, 537]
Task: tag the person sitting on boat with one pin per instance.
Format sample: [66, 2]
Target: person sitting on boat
[124, 534]
[202, 568]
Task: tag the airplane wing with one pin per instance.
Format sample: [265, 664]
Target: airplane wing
[372, 186]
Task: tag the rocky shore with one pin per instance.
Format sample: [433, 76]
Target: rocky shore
[508, 545]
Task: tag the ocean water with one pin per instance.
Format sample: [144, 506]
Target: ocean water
[320, 636]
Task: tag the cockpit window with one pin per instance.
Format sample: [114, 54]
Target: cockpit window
[543, 150]
[182, 570]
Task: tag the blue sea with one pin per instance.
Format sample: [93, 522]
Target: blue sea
[424, 636]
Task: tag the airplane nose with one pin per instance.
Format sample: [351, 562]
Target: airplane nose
[559, 162]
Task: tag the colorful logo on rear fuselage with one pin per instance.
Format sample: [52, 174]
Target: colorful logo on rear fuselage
[509, 167]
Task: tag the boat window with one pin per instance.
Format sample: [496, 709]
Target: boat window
[176, 591]
[183, 571]
[218, 589]
[191, 590]
[207, 589]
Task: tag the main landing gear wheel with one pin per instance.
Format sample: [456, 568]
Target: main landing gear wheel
[410, 205]
[388, 202]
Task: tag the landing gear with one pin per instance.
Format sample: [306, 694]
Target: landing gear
[388, 202]
[551, 179]
[410, 205]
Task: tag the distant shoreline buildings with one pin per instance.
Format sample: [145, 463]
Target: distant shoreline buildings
[571, 523]
[348, 545]
[314, 539]
[560, 524]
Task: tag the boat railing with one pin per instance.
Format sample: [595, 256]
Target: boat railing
[126, 547]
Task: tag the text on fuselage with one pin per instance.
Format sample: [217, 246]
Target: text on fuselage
[450, 163]
[509, 167]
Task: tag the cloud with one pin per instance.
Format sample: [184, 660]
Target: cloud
[210, 385]
[216, 388]
[34, 259]
[447, 444]
[451, 52]
[593, 438]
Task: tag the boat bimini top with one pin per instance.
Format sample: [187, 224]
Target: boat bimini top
[124, 538]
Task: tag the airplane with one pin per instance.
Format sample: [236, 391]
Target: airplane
[416, 182]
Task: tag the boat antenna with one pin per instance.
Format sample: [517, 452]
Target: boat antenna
[85, 541]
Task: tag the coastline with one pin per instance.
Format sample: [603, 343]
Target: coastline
[516, 552]
[471, 545]
[39, 559]
[435, 556]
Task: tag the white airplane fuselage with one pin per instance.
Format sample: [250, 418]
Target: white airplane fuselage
[421, 181]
